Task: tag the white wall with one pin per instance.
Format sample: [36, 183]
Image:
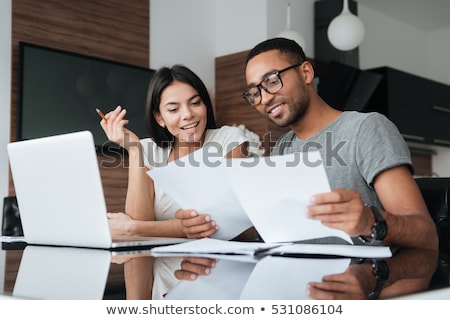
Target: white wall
[238, 24]
[184, 32]
[392, 43]
[438, 53]
[5, 102]
[441, 162]
[191, 35]
[302, 20]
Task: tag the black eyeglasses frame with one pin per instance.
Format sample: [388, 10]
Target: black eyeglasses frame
[261, 85]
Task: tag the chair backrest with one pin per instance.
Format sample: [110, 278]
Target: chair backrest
[436, 193]
[11, 223]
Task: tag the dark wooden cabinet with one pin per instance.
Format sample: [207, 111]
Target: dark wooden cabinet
[418, 106]
[439, 115]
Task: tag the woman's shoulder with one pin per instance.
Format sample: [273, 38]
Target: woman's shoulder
[149, 144]
[225, 129]
[225, 132]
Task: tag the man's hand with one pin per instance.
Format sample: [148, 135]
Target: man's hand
[342, 209]
[355, 283]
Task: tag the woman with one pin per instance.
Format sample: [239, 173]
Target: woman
[180, 120]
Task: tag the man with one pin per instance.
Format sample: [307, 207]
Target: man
[374, 196]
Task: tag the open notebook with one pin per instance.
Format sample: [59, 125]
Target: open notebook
[60, 195]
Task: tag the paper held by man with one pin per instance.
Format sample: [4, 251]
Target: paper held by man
[270, 193]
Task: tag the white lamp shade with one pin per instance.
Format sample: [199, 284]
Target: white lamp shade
[346, 32]
[290, 33]
[293, 35]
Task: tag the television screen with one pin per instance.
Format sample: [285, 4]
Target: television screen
[59, 92]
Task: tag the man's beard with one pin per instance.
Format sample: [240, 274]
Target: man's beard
[295, 113]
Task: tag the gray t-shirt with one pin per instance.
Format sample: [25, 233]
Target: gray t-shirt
[354, 148]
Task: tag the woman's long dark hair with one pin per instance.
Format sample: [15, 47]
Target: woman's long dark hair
[160, 81]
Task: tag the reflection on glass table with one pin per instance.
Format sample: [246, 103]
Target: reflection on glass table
[75, 273]
[60, 273]
[311, 277]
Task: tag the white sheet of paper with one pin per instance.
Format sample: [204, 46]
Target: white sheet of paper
[343, 250]
[274, 192]
[197, 182]
[269, 279]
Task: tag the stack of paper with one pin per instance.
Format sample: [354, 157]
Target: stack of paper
[208, 247]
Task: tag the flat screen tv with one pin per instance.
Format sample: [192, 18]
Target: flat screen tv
[59, 92]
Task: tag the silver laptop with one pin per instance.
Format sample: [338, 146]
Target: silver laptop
[60, 194]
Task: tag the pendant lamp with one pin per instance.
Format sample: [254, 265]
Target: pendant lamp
[290, 33]
[346, 31]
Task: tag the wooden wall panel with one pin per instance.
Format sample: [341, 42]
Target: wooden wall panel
[422, 163]
[12, 263]
[114, 29]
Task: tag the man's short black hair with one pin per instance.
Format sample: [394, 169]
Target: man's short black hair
[286, 46]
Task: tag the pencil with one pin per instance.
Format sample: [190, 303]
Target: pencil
[101, 114]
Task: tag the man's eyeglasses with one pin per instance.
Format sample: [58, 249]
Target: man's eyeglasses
[271, 84]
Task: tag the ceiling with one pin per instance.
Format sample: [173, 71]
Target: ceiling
[427, 15]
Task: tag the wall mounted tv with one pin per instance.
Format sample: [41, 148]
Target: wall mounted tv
[59, 92]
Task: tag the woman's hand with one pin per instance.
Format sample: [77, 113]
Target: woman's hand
[192, 267]
[115, 130]
[120, 224]
[196, 225]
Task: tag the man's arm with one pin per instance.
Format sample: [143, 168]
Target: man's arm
[408, 222]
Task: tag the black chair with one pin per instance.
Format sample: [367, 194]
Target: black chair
[11, 223]
[436, 193]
